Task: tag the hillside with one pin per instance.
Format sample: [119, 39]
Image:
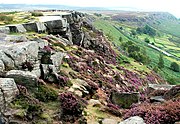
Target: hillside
[57, 67]
[122, 26]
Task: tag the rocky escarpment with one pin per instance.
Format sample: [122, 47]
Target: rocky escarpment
[71, 61]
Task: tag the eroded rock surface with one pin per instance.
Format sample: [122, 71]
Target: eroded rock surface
[8, 91]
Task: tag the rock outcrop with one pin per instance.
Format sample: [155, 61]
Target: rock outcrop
[25, 78]
[4, 29]
[125, 100]
[14, 54]
[18, 28]
[35, 27]
[8, 91]
[75, 60]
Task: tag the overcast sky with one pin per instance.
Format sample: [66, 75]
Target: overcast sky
[172, 6]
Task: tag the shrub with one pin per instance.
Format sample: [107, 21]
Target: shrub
[31, 106]
[147, 40]
[150, 31]
[135, 52]
[36, 14]
[166, 113]
[113, 109]
[6, 18]
[173, 93]
[139, 30]
[120, 39]
[146, 30]
[27, 65]
[133, 32]
[175, 66]
[161, 62]
[70, 106]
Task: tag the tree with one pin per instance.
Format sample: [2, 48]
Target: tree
[150, 31]
[175, 66]
[133, 48]
[147, 40]
[139, 30]
[133, 32]
[120, 39]
[161, 61]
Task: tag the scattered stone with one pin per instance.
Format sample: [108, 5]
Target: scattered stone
[177, 122]
[109, 121]
[124, 99]
[153, 87]
[157, 99]
[133, 120]
[94, 102]
[80, 86]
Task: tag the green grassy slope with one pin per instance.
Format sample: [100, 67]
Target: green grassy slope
[109, 29]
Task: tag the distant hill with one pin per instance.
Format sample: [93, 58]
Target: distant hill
[162, 21]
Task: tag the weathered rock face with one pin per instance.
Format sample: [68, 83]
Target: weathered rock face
[2, 67]
[133, 120]
[5, 30]
[15, 38]
[54, 24]
[25, 78]
[6, 62]
[19, 28]
[13, 55]
[47, 70]
[35, 27]
[57, 59]
[125, 100]
[77, 34]
[8, 91]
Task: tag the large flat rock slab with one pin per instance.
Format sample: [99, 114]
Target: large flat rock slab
[25, 78]
[125, 99]
[14, 54]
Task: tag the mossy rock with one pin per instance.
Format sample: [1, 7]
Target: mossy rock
[125, 100]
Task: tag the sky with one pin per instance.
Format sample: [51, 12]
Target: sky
[171, 6]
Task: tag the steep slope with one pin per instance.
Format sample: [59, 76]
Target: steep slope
[122, 27]
[73, 76]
